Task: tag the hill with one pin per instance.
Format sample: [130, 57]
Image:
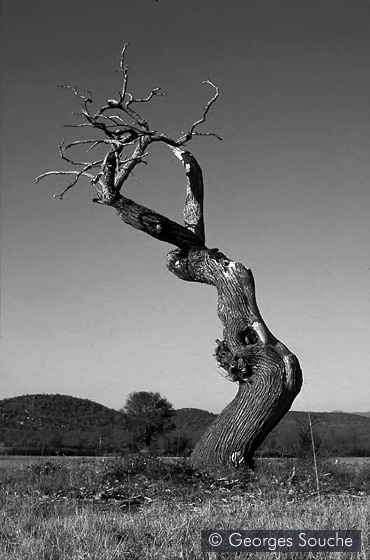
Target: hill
[335, 433]
[61, 423]
[42, 424]
[56, 411]
[188, 426]
[367, 414]
[193, 420]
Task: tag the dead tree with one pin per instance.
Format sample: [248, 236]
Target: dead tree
[267, 373]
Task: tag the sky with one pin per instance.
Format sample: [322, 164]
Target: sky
[88, 307]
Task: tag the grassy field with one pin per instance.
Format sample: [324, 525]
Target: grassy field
[11, 461]
[141, 508]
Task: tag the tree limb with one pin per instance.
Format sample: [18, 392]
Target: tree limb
[186, 137]
[117, 166]
[193, 209]
[154, 224]
[78, 174]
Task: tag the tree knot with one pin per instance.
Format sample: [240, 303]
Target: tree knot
[237, 367]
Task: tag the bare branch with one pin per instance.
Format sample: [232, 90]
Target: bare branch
[87, 164]
[93, 143]
[208, 106]
[193, 208]
[110, 118]
[93, 146]
[123, 104]
[124, 69]
[62, 150]
[78, 142]
[188, 135]
[134, 114]
[136, 158]
[77, 125]
[120, 134]
[126, 127]
[122, 59]
[84, 98]
[207, 134]
[155, 92]
[78, 174]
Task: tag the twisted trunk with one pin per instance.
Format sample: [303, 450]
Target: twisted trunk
[268, 374]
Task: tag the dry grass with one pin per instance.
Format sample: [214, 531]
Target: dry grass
[143, 509]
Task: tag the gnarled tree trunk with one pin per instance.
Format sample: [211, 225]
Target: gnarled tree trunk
[268, 374]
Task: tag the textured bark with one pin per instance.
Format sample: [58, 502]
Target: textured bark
[268, 374]
[154, 224]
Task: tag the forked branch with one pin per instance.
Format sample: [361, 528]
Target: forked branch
[127, 136]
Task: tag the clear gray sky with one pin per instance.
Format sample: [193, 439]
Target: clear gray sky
[88, 306]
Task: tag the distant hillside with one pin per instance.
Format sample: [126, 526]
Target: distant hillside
[61, 423]
[332, 419]
[47, 424]
[335, 433]
[56, 411]
[367, 414]
[191, 423]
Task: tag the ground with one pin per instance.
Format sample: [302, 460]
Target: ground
[140, 507]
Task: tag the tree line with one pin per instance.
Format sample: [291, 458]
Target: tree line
[60, 424]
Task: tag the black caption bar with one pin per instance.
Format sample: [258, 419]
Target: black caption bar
[280, 541]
